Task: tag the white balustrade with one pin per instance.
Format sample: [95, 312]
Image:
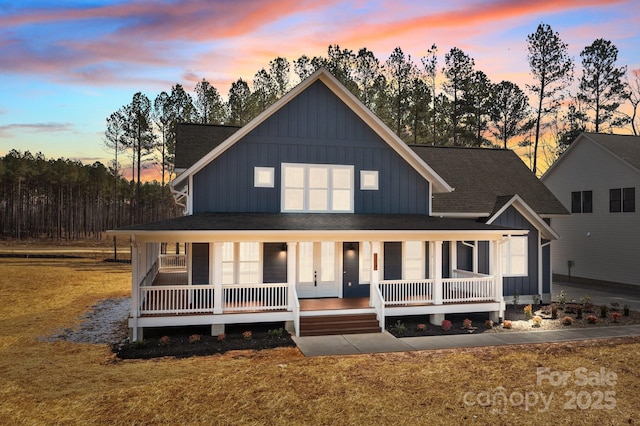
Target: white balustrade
[176, 299]
[255, 297]
[407, 292]
[173, 261]
[478, 289]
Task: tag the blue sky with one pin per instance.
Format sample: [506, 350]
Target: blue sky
[66, 65]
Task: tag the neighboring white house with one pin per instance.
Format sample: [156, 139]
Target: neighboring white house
[597, 180]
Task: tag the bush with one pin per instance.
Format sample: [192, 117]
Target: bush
[466, 323]
[165, 341]
[247, 334]
[507, 324]
[222, 337]
[446, 325]
[625, 310]
[400, 327]
[195, 338]
[528, 311]
[604, 309]
[421, 327]
[615, 316]
[488, 324]
[276, 332]
[592, 319]
[537, 321]
[579, 312]
[567, 320]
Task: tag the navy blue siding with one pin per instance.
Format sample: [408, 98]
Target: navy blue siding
[529, 284]
[446, 256]
[315, 127]
[483, 257]
[464, 257]
[393, 261]
[274, 268]
[546, 268]
[200, 263]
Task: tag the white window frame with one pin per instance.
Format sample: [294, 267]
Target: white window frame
[366, 175]
[305, 188]
[259, 175]
[236, 261]
[419, 257]
[508, 257]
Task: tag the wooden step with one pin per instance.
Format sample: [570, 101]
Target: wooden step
[339, 324]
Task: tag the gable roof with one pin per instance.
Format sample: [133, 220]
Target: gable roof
[503, 203]
[437, 182]
[481, 177]
[625, 147]
[196, 140]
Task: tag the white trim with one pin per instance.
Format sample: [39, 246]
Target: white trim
[440, 185]
[529, 214]
[454, 215]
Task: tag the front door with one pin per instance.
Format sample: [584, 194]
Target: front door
[351, 272]
[317, 270]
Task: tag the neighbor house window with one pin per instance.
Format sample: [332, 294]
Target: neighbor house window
[582, 202]
[514, 256]
[622, 200]
[317, 188]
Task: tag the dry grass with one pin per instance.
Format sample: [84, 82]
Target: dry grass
[63, 382]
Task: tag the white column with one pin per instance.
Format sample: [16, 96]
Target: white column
[476, 249]
[437, 273]
[495, 268]
[135, 290]
[292, 272]
[453, 257]
[189, 250]
[216, 265]
[539, 264]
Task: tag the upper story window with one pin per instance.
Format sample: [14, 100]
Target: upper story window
[317, 188]
[622, 200]
[582, 202]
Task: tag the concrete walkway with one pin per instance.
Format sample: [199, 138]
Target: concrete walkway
[351, 344]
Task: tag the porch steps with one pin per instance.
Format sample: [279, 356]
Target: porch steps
[339, 324]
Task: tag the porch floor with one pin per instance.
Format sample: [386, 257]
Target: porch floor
[169, 277]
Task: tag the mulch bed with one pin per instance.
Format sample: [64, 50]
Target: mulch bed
[181, 342]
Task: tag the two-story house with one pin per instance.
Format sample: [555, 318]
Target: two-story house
[316, 214]
[597, 179]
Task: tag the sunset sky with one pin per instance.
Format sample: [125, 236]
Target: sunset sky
[65, 68]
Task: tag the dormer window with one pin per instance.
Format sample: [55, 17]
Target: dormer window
[317, 188]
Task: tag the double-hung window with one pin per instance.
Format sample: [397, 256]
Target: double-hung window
[317, 188]
[241, 263]
[622, 200]
[582, 202]
[514, 256]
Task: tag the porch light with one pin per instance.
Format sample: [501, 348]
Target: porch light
[283, 247]
[350, 247]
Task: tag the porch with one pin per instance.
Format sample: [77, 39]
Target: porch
[166, 298]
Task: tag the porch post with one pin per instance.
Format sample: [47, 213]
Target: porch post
[135, 291]
[476, 249]
[437, 273]
[217, 278]
[292, 260]
[495, 266]
[189, 266]
[453, 257]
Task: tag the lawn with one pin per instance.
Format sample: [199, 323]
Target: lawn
[58, 382]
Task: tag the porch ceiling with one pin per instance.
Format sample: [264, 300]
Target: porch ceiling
[320, 226]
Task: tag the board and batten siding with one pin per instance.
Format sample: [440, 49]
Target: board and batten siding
[603, 246]
[315, 127]
[525, 285]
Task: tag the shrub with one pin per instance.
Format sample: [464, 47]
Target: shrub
[615, 316]
[195, 338]
[567, 320]
[562, 299]
[516, 297]
[422, 327]
[625, 310]
[165, 341]
[604, 309]
[507, 324]
[276, 332]
[222, 337]
[139, 344]
[446, 325]
[528, 311]
[592, 319]
[554, 311]
[579, 312]
[488, 324]
[585, 299]
[466, 323]
[247, 334]
[537, 321]
[400, 327]
[536, 299]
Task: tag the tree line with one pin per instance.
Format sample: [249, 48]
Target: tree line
[63, 199]
[423, 100]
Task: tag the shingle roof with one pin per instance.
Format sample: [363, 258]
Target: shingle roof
[310, 221]
[627, 147]
[481, 177]
[196, 140]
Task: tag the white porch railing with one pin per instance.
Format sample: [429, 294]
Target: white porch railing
[255, 297]
[467, 286]
[173, 261]
[176, 299]
[377, 302]
[407, 292]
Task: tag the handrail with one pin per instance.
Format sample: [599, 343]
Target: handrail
[296, 311]
[378, 304]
